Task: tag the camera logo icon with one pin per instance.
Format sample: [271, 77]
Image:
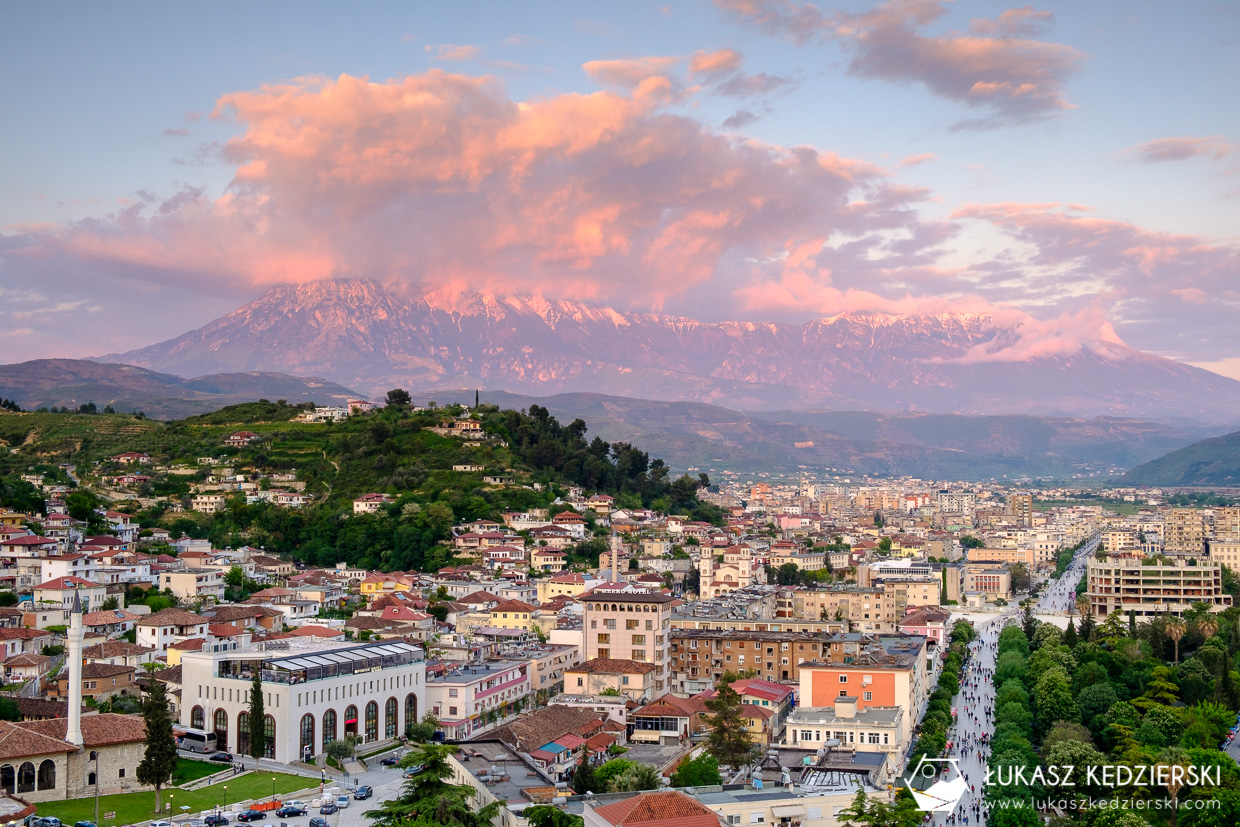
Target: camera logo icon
[942, 795]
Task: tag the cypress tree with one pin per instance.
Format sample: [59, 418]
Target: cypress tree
[258, 729]
[160, 759]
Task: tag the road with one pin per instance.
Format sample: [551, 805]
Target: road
[974, 704]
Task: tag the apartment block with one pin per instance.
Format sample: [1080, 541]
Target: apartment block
[1185, 531]
[701, 656]
[1126, 583]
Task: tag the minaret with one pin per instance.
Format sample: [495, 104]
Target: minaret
[73, 733]
[615, 557]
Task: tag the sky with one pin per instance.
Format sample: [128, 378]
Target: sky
[1072, 169]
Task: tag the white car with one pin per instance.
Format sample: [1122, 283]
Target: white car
[342, 801]
[160, 824]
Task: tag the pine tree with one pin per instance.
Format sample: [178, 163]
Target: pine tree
[729, 740]
[160, 759]
[258, 728]
[583, 777]
[1069, 636]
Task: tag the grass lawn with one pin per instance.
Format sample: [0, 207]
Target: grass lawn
[131, 808]
[189, 770]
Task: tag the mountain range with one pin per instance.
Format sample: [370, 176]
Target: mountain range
[363, 335]
[55, 383]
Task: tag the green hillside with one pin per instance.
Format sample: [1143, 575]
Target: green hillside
[389, 451]
[1211, 462]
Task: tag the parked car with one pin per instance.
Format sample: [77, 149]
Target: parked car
[390, 761]
[342, 801]
[318, 822]
[152, 824]
[251, 815]
[46, 821]
[412, 771]
[84, 824]
[223, 757]
[216, 821]
[328, 808]
[363, 792]
[291, 809]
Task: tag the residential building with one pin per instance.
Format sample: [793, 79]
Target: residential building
[874, 729]
[635, 679]
[1129, 583]
[195, 584]
[469, 699]
[700, 657]
[168, 626]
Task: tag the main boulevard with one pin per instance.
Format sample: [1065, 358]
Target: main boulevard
[974, 704]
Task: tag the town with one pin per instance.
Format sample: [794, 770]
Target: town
[763, 651]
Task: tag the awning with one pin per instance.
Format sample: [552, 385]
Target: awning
[788, 811]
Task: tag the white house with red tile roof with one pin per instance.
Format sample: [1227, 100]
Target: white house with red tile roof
[571, 522]
[68, 565]
[130, 457]
[239, 439]
[371, 503]
[61, 591]
[26, 545]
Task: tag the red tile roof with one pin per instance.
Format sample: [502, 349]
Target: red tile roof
[672, 808]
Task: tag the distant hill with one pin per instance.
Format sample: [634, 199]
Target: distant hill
[940, 446]
[1211, 462]
[72, 382]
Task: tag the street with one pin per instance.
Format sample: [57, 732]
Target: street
[974, 703]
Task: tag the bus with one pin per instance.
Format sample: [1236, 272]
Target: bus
[197, 740]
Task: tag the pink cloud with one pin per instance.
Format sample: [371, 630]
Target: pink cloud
[631, 74]
[923, 158]
[1179, 149]
[449, 51]
[1016, 79]
[713, 63]
[441, 180]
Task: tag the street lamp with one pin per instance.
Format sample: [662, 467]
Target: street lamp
[273, 788]
[225, 795]
[95, 757]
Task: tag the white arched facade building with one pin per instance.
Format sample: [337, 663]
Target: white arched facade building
[314, 692]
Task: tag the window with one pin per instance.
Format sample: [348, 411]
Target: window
[631, 623]
[329, 727]
[452, 693]
[843, 679]
[593, 624]
[604, 638]
[649, 625]
[579, 682]
[639, 640]
[197, 718]
[389, 719]
[873, 737]
[807, 735]
[869, 696]
[269, 733]
[843, 693]
[639, 654]
[452, 710]
[243, 733]
[307, 737]
[624, 680]
[757, 818]
[604, 653]
[609, 623]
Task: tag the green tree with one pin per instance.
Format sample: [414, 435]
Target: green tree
[9, 710]
[635, 778]
[583, 776]
[428, 800]
[235, 577]
[258, 729]
[729, 739]
[702, 771]
[110, 604]
[1052, 696]
[159, 760]
[544, 815]
[398, 398]
[342, 749]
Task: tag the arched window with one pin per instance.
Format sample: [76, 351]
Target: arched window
[372, 721]
[329, 728]
[221, 729]
[90, 778]
[47, 775]
[350, 720]
[269, 733]
[389, 719]
[25, 778]
[197, 718]
[307, 737]
[243, 733]
[8, 779]
[411, 710]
